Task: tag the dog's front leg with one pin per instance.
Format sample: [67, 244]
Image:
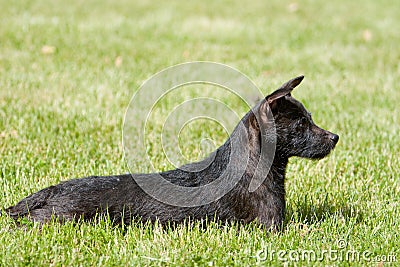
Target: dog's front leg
[271, 212]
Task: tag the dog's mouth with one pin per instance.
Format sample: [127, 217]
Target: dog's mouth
[321, 151]
[320, 156]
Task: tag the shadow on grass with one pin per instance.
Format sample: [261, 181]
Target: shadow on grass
[309, 211]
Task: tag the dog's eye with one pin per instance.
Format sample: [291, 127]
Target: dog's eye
[303, 122]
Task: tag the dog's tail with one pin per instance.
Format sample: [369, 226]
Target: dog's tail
[30, 203]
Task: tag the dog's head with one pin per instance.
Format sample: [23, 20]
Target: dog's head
[296, 133]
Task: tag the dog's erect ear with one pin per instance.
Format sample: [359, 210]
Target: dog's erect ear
[270, 103]
[292, 83]
[285, 89]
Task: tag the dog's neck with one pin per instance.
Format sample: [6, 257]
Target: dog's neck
[242, 150]
[270, 173]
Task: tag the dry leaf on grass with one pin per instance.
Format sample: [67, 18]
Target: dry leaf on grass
[48, 49]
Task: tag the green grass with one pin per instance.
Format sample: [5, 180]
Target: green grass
[62, 113]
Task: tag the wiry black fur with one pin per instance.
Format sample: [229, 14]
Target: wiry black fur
[124, 200]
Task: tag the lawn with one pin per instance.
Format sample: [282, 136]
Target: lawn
[68, 70]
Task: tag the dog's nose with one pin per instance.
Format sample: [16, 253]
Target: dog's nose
[334, 137]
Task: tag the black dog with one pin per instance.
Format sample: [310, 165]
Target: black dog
[124, 200]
